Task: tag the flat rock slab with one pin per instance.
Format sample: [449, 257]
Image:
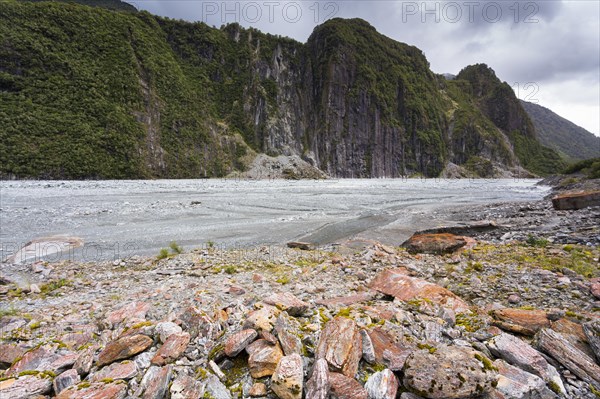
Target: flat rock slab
[172, 349]
[515, 383]
[437, 244]
[397, 283]
[43, 359]
[344, 387]
[580, 364]
[131, 311]
[341, 345]
[237, 342]
[124, 348]
[347, 300]
[95, 391]
[387, 351]
[449, 372]
[65, 380]
[287, 302]
[520, 321]
[573, 201]
[155, 383]
[186, 387]
[25, 387]
[116, 371]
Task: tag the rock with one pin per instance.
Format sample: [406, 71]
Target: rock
[43, 359]
[387, 351]
[186, 387]
[25, 387]
[287, 302]
[439, 244]
[84, 361]
[305, 246]
[65, 380]
[196, 323]
[98, 390]
[288, 332]
[11, 352]
[258, 389]
[215, 389]
[155, 383]
[345, 387]
[216, 369]
[263, 358]
[382, 385]
[408, 395]
[341, 345]
[520, 321]
[515, 383]
[116, 371]
[395, 282]
[318, 386]
[580, 364]
[368, 351]
[124, 348]
[514, 299]
[522, 355]
[262, 319]
[573, 332]
[572, 201]
[134, 311]
[347, 300]
[165, 329]
[592, 332]
[449, 372]
[287, 380]
[238, 341]
[172, 349]
[595, 290]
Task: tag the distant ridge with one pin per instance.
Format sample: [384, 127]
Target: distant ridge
[562, 135]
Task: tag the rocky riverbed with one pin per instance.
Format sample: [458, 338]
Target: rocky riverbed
[505, 306]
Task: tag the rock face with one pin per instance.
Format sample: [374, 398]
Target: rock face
[572, 201]
[440, 243]
[124, 348]
[369, 113]
[395, 282]
[341, 345]
[449, 373]
[288, 379]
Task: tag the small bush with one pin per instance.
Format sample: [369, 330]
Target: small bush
[536, 242]
[164, 253]
[175, 248]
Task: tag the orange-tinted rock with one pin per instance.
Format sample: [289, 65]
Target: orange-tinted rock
[288, 379]
[341, 345]
[263, 318]
[172, 349]
[258, 389]
[387, 351]
[186, 387]
[344, 387]
[237, 342]
[25, 387]
[116, 371]
[520, 321]
[572, 201]
[288, 302]
[401, 286]
[10, 352]
[438, 244]
[288, 331]
[263, 358]
[573, 332]
[95, 391]
[131, 311]
[155, 383]
[347, 300]
[43, 359]
[124, 348]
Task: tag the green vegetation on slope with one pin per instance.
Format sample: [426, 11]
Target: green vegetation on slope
[553, 131]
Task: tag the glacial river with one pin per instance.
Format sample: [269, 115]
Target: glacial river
[116, 219]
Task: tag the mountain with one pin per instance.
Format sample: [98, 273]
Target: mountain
[554, 131]
[92, 93]
[116, 5]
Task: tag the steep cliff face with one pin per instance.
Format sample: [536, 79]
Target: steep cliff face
[97, 93]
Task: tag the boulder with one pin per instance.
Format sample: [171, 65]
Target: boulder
[341, 345]
[449, 372]
[288, 333]
[155, 383]
[287, 302]
[263, 358]
[520, 321]
[288, 378]
[116, 371]
[239, 341]
[573, 201]
[382, 385]
[318, 385]
[98, 390]
[65, 380]
[592, 331]
[25, 387]
[172, 349]
[186, 387]
[123, 348]
[438, 244]
[397, 283]
[344, 387]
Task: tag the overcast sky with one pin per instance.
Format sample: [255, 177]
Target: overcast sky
[548, 50]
